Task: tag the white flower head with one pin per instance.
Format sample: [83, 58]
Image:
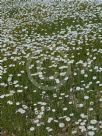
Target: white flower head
[20, 110]
[68, 119]
[91, 133]
[93, 121]
[86, 97]
[10, 102]
[61, 125]
[32, 129]
[50, 120]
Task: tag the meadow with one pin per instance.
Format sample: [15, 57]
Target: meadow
[51, 68]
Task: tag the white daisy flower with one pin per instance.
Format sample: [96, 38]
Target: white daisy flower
[61, 125]
[32, 129]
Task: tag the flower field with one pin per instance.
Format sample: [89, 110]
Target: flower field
[51, 68]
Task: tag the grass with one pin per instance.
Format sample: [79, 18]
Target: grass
[55, 35]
